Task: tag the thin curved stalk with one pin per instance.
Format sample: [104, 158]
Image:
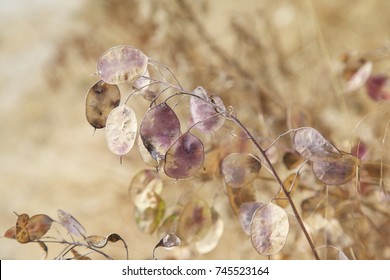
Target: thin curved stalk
[275, 174]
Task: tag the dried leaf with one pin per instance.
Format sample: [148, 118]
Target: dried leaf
[122, 64]
[269, 229]
[169, 224]
[70, 223]
[31, 229]
[212, 237]
[97, 241]
[22, 234]
[143, 187]
[204, 113]
[194, 221]
[101, 99]
[168, 241]
[292, 160]
[149, 218]
[336, 172]
[245, 214]
[10, 233]
[121, 130]
[184, 157]
[38, 225]
[145, 155]
[238, 196]
[239, 170]
[159, 129]
[311, 145]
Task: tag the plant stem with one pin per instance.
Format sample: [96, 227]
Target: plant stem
[263, 152]
[275, 174]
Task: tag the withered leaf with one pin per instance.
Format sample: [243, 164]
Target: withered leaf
[240, 169]
[169, 224]
[214, 234]
[292, 160]
[269, 229]
[30, 229]
[122, 64]
[97, 241]
[148, 218]
[238, 196]
[101, 99]
[38, 225]
[145, 187]
[204, 113]
[159, 129]
[10, 233]
[194, 221]
[121, 129]
[336, 172]
[22, 235]
[245, 214]
[184, 157]
[311, 145]
[70, 223]
[168, 241]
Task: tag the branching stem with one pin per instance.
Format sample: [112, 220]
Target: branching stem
[263, 153]
[277, 178]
